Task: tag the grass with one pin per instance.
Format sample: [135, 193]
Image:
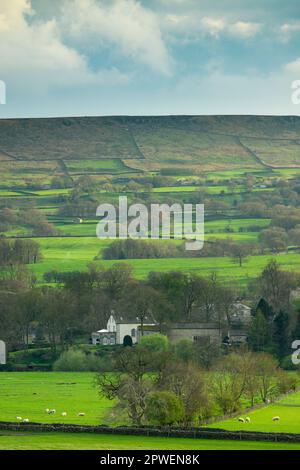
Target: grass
[102, 166]
[71, 254]
[63, 441]
[288, 409]
[28, 394]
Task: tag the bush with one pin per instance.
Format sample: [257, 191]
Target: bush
[155, 343]
[287, 364]
[184, 350]
[77, 361]
[164, 408]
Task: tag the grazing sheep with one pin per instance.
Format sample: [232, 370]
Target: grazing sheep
[51, 412]
[241, 420]
[247, 419]
[25, 420]
[81, 414]
[276, 418]
[18, 418]
[64, 413]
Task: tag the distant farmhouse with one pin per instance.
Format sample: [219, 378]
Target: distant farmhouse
[118, 327]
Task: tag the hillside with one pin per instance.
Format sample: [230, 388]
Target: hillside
[199, 143]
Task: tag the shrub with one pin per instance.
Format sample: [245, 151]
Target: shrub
[77, 361]
[164, 408]
[184, 350]
[156, 343]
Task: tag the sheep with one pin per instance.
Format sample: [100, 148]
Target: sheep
[25, 420]
[51, 412]
[276, 418]
[247, 419]
[241, 420]
[47, 410]
[64, 413]
[81, 414]
[18, 418]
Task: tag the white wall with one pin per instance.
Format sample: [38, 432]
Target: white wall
[111, 325]
[124, 329]
[2, 352]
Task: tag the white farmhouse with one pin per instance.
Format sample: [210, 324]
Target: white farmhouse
[2, 353]
[119, 326]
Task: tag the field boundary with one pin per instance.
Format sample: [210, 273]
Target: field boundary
[195, 433]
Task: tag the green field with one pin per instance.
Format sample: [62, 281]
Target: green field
[29, 394]
[63, 441]
[68, 254]
[288, 409]
[98, 166]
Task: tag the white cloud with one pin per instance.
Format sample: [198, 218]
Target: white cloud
[213, 26]
[197, 26]
[244, 29]
[126, 25]
[288, 29]
[34, 53]
[294, 66]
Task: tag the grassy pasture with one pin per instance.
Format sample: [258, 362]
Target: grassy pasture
[64, 441]
[19, 173]
[28, 394]
[220, 227]
[168, 146]
[71, 253]
[275, 152]
[288, 409]
[102, 166]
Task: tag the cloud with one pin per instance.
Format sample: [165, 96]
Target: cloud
[293, 67]
[34, 54]
[244, 29]
[215, 26]
[288, 29]
[131, 29]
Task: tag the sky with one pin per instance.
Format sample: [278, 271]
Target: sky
[148, 57]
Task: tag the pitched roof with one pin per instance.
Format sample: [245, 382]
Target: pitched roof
[130, 319]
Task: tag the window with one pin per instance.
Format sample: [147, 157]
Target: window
[133, 332]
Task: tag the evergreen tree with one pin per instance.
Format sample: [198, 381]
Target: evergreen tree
[265, 309]
[296, 331]
[260, 333]
[281, 335]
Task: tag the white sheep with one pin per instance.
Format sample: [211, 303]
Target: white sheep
[64, 413]
[51, 412]
[276, 418]
[18, 418]
[247, 419]
[241, 420]
[25, 420]
[81, 414]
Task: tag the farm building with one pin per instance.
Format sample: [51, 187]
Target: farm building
[120, 326]
[203, 332]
